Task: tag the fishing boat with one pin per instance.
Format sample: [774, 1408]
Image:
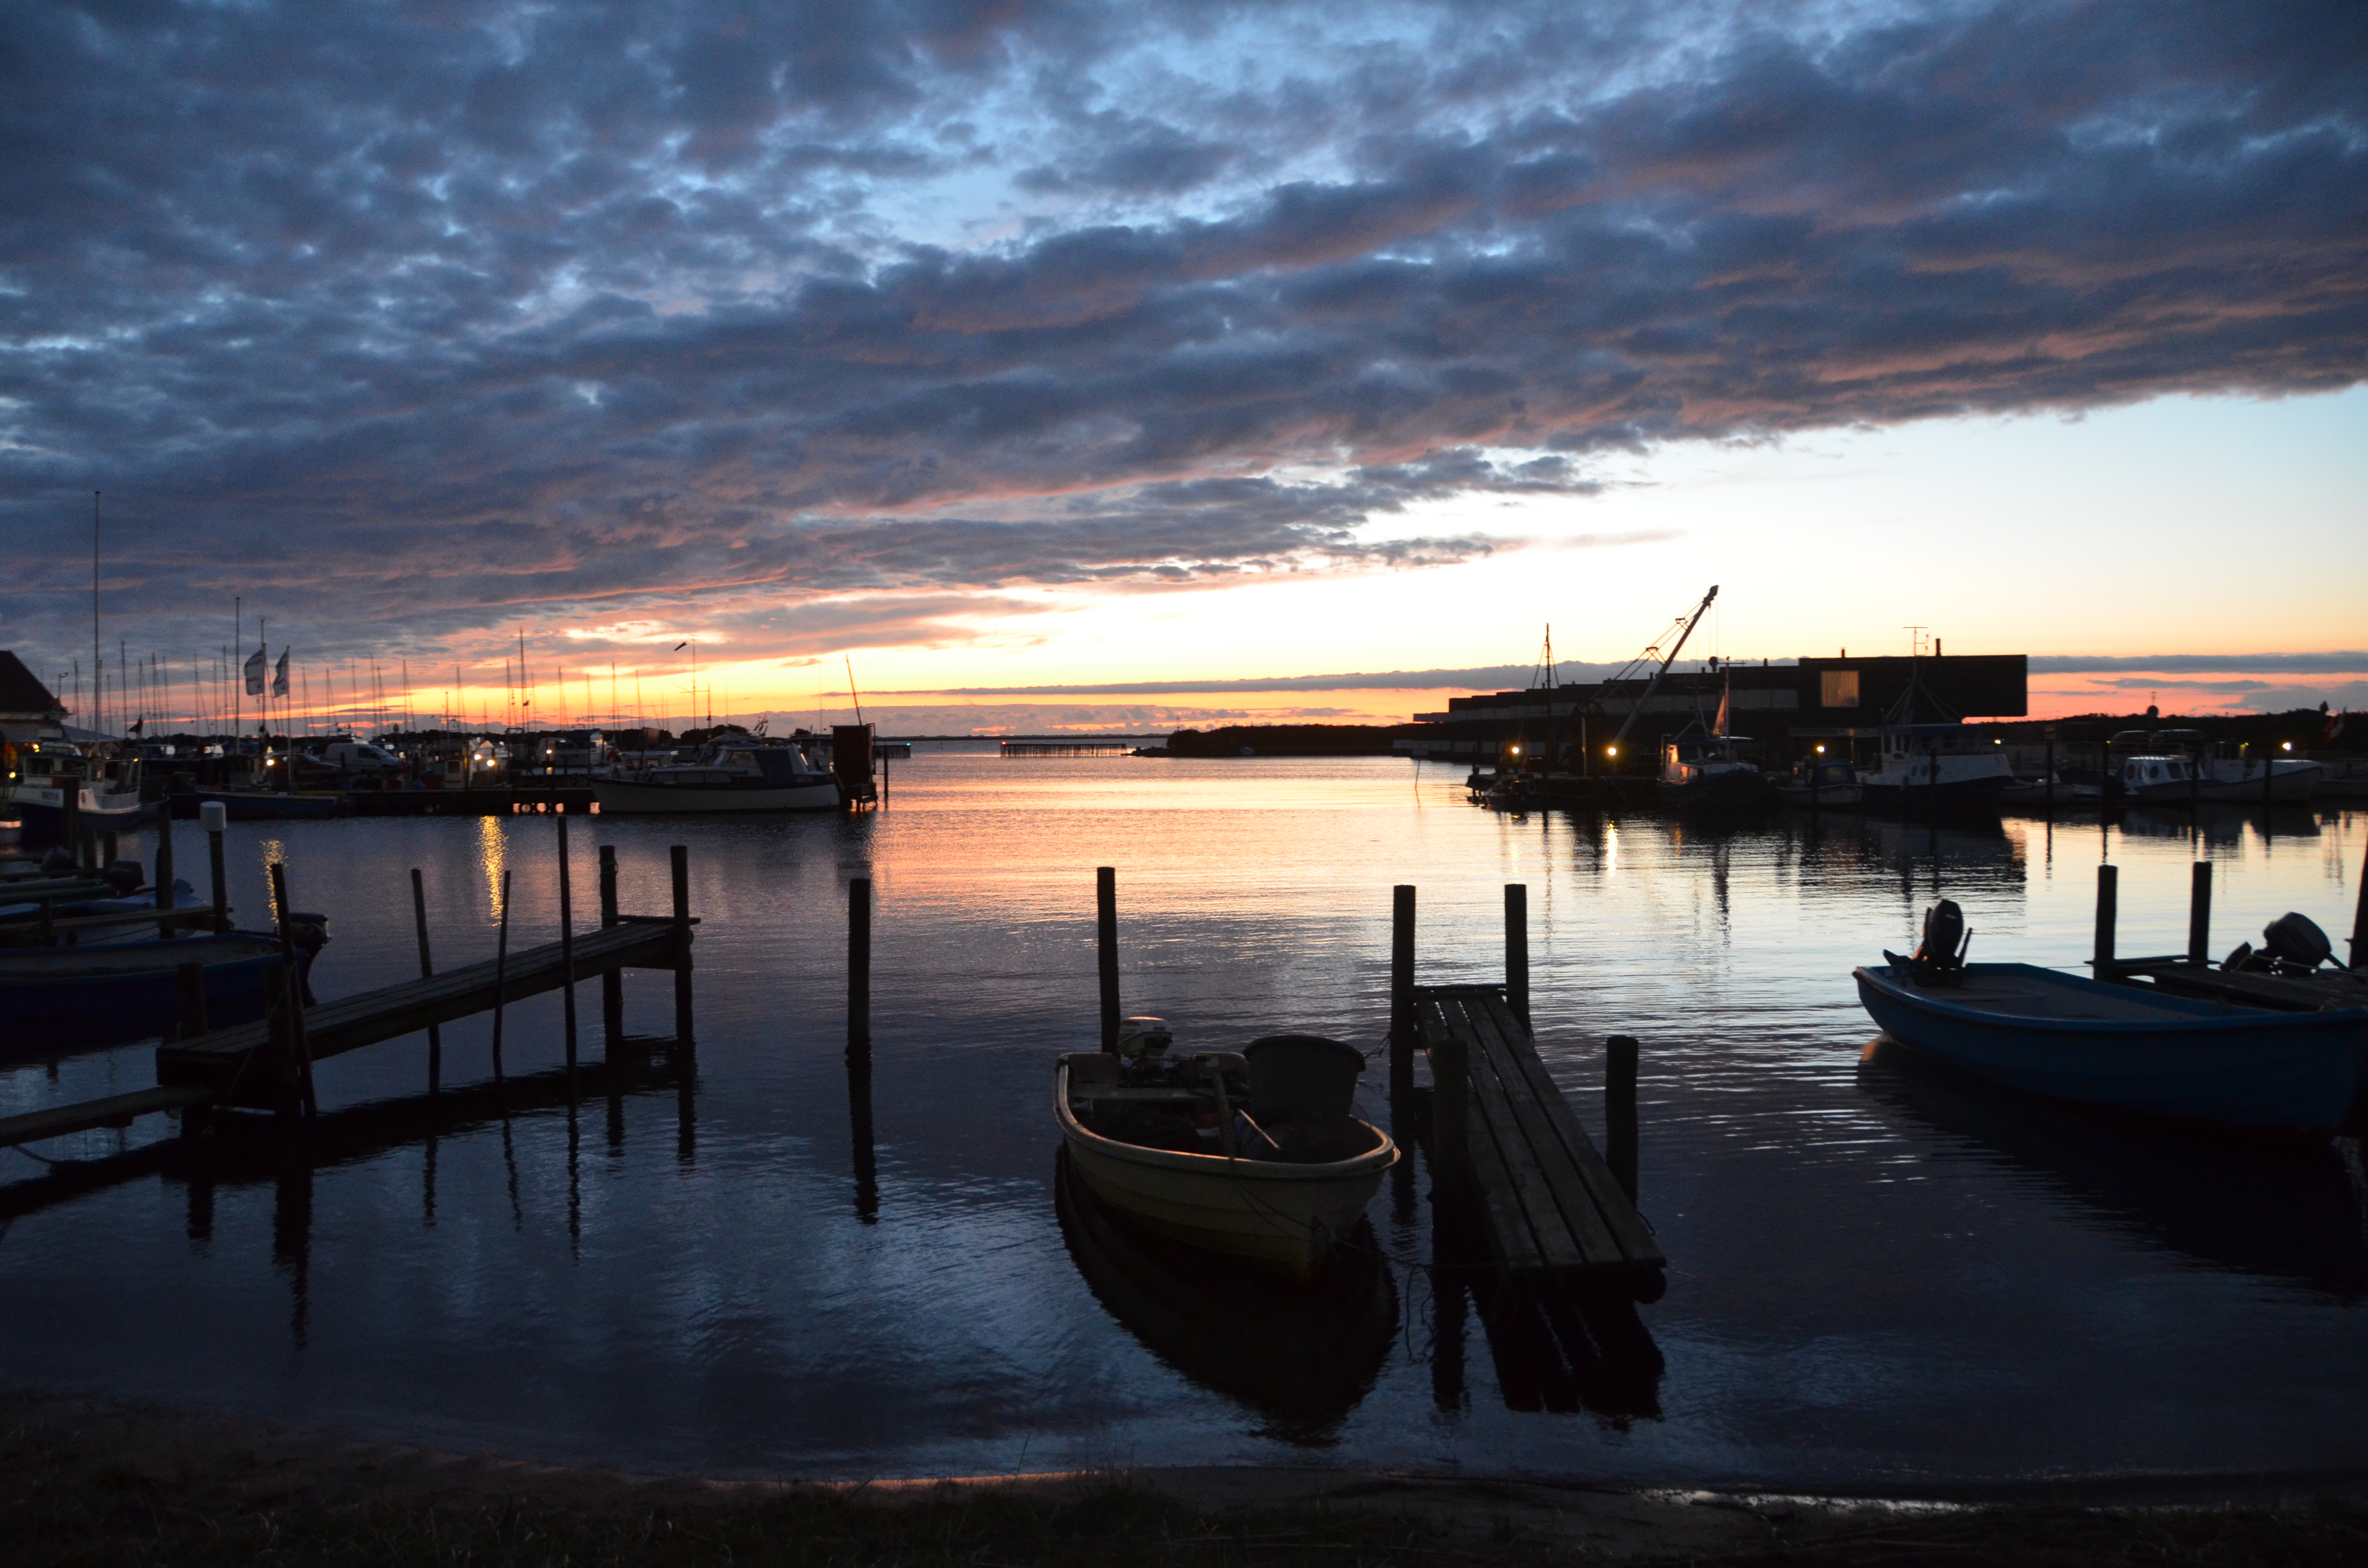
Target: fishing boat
[1942, 768]
[1819, 785]
[743, 774]
[2099, 1043]
[107, 789]
[1701, 771]
[2177, 767]
[1252, 1154]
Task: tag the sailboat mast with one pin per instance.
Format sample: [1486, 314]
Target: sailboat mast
[98, 702]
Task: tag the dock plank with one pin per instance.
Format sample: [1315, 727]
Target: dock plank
[115, 1110]
[1510, 1190]
[1633, 1237]
[1581, 1209]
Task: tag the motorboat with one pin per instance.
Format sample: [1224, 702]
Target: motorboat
[1254, 1154]
[2096, 1042]
[1819, 785]
[743, 774]
[2182, 767]
[107, 789]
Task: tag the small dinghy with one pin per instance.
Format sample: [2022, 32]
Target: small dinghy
[1251, 1154]
[57, 999]
[2127, 1046]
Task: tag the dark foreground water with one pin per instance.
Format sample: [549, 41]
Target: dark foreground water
[1879, 1272]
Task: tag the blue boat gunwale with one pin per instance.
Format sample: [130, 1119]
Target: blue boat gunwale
[2190, 1015]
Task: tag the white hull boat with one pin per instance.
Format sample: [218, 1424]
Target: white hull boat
[1277, 1214]
[734, 776]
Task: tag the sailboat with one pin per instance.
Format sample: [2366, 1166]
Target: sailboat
[1701, 769]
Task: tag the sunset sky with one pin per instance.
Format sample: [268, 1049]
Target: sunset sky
[1086, 365]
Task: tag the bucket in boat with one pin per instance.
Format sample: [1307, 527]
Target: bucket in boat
[1295, 1074]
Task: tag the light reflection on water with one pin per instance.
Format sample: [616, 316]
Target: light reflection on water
[1877, 1271]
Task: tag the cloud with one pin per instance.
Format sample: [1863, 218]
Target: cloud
[2339, 662]
[452, 315]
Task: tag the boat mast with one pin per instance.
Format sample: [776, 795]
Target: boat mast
[98, 702]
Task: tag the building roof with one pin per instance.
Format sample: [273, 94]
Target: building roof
[22, 696]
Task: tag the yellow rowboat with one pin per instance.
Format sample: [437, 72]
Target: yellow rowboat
[1279, 1213]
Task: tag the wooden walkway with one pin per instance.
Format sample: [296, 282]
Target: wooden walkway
[222, 1060]
[1552, 1208]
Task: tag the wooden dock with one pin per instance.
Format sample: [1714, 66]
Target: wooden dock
[1551, 1207]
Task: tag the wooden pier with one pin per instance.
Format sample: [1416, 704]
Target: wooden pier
[268, 1064]
[1511, 1157]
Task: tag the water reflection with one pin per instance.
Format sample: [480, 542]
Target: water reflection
[1301, 1356]
[2290, 1211]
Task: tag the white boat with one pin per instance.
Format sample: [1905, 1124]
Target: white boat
[736, 775]
[106, 791]
[1233, 1190]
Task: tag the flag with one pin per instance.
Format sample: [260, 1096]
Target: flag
[1723, 698]
[280, 677]
[254, 673]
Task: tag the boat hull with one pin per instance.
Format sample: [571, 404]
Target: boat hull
[1950, 795]
[1820, 796]
[615, 795]
[98, 995]
[43, 814]
[2133, 1050]
[1281, 1217]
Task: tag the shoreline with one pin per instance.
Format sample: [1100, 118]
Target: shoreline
[92, 1478]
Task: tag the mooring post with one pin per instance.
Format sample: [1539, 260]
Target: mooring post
[612, 981]
[1620, 1110]
[70, 823]
[2269, 781]
[859, 967]
[679, 857]
[501, 971]
[166, 929]
[2108, 897]
[566, 956]
[213, 816]
[294, 980]
[2199, 913]
[1401, 990]
[109, 847]
[1106, 938]
[426, 969]
[191, 978]
[1450, 1127]
[2359, 922]
[2051, 769]
[279, 1039]
[1516, 950]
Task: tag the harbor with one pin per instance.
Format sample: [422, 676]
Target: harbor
[834, 1235]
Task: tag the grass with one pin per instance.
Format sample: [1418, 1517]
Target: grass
[65, 1501]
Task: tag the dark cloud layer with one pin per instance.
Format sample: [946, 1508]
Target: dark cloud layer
[445, 312]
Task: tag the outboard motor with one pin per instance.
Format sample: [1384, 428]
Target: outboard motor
[1939, 959]
[2295, 942]
[123, 875]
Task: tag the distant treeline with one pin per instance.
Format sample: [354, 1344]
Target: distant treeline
[2305, 728]
[1284, 740]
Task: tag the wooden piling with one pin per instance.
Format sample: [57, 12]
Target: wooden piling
[2199, 913]
[612, 983]
[2051, 770]
[566, 956]
[109, 847]
[678, 863]
[2108, 900]
[1449, 1113]
[427, 970]
[2359, 922]
[293, 980]
[166, 929]
[859, 967]
[191, 978]
[1106, 938]
[501, 971]
[1620, 1110]
[212, 815]
[70, 823]
[1516, 950]
[1401, 990]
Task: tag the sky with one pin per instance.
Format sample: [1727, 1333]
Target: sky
[1084, 364]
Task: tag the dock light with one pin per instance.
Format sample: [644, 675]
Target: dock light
[1517, 751]
[1821, 751]
[1611, 750]
[2287, 744]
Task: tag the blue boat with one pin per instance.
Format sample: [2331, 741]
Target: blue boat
[2074, 1039]
[56, 1000]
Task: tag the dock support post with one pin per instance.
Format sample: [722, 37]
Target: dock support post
[1401, 990]
[2051, 770]
[1620, 1110]
[107, 848]
[679, 857]
[426, 969]
[70, 819]
[2199, 913]
[612, 981]
[166, 929]
[2108, 902]
[191, 978]
[566, 956]
[2359, 922]
[294, 980]
[1516, 950]
[1451, 1114]
[1106, 939]
[501, 973]
[859, 968]
[213, 816]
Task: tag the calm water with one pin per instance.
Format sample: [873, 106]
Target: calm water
[1878, 1273]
